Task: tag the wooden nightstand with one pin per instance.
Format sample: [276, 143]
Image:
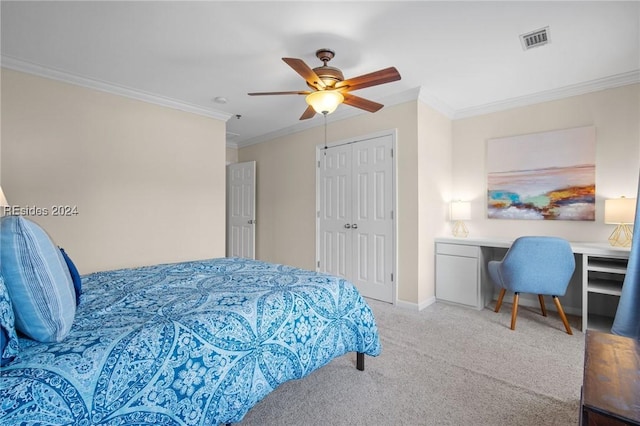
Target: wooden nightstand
[611, 386]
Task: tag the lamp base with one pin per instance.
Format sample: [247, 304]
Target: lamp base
[621, 236]
[460, 230]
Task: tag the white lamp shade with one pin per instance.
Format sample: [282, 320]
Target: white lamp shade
[325, 101]
[619, 210]
[3, 200]
[460, 210]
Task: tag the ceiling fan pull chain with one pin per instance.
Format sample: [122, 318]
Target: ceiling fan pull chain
[325, 132]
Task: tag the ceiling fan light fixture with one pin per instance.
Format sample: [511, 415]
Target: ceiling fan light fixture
[325, 101]
[329, 88]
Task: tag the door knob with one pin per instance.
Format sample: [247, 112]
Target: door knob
[347, 226]
[251, 221]
[354, 226]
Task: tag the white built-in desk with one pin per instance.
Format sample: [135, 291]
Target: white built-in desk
[593, 293]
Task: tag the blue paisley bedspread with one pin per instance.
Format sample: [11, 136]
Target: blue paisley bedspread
[192, 343]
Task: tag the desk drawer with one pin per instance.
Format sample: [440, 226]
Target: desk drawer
[457, 250]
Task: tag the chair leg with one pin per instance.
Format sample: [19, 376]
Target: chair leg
[544, 309]
[563, 317]
[500, 297]
[514, 310]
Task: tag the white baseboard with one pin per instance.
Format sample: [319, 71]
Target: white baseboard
[523, 302]
[415, 306]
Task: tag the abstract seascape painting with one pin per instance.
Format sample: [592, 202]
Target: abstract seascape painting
[543, 176]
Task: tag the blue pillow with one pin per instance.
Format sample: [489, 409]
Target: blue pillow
[8, 339]
[75, 275]
[37, 279]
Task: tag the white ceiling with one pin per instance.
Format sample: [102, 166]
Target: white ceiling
[462, 58]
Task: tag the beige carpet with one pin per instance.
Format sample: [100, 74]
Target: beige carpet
[445, 365]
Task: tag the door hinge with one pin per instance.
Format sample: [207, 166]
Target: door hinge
[318, 163]
[391, 152]
[318, 214]
[318, 264]
[392, 277]
[391, 214]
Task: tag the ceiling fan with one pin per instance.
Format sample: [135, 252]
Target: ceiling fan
[329, 88]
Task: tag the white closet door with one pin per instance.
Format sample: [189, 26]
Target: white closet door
[355, 217]
[372, 222]
[335, 211]
[241, 202]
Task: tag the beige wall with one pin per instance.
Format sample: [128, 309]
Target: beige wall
[148, 181]
[232, 155]
[615, 113]
[434, 180]
[286, 191]
[285, 198]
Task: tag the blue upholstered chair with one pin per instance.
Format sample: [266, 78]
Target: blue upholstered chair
[537, 265]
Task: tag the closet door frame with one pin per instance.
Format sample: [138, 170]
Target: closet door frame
[392, 133]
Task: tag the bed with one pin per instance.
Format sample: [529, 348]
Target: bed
[190, 343]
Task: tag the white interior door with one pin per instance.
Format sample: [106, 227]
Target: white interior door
[241, 216]
[335, 211]
[355, 215]
[372, 220]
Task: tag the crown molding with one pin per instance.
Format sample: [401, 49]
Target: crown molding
[90, 83]
[610, 82]
[436, 104]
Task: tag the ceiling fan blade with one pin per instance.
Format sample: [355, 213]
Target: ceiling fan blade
[386, 75]
[362, 103]
[306, 72]
[308, 113]
[279, 93]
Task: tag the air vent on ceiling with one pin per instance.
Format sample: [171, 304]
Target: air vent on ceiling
[535, 38]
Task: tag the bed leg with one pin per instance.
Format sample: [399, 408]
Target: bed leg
[360, 361]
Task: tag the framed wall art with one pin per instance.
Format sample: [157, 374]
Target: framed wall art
[543, 176]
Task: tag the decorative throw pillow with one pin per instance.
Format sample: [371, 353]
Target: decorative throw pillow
[75, 275]
[8, 339]
[37, 279]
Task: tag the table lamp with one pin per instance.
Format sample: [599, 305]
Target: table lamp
[3, 202]
[620, 212]
[460, 211]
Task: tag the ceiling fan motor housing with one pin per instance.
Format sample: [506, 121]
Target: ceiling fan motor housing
[329, 75]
